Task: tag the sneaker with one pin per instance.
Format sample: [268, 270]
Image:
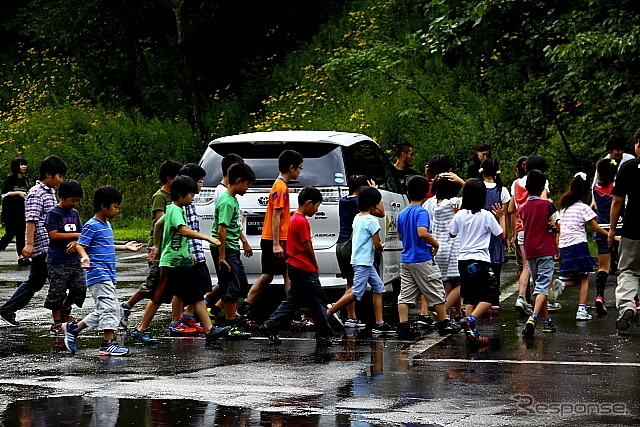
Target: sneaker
[144, 337]
[216, 333]
[425, 321]
[548, 327]
[559, 287]
[583, 315]
[447, 327]
[244, 308]
[69, 337]
[405, 332]
[522, 306]
[235, 334]
[529, 327]
[180, 329]
[302, 322]
[336, 317]
[55, 328]
[622, 324]
[354, 323]
[23, 262]
[638, 304]
[474, 337]
[112, 349]
[495, 307]
[190, 322]
[328, 340]
[467, 324]
[273, 336]
[9, 317]
[554, 306]
[601, 305]
[125, 311]
[382, 329]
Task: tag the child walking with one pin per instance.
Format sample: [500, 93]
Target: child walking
[474, 225]
[576, 261]
[67, 283]
[303, 271]
[98, 255]
[366, 241]
[419, 274]
[606, 171]
[14, 191]
[539, 217]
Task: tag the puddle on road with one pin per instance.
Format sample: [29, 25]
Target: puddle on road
[109, 412]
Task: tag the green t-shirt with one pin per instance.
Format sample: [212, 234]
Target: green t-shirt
[159, 202]
[175, 250]
[227, 212]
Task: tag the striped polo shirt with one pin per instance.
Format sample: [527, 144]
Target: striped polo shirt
[97, 239]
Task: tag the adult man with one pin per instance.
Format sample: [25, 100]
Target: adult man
[629, 265]
[404, 160]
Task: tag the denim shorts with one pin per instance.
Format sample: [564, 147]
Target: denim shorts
[363, 274]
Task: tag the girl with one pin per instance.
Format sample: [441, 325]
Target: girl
[606, 170]
[440, 208]
[576, 261]
[496, 194]
[475, 226]
[13, 191]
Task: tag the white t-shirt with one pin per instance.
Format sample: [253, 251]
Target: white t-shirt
[504, 194]
[572, 221]
[474, 232]
[221, 188]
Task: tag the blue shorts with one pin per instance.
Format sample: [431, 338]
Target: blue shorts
[363, 274]
[541, 273]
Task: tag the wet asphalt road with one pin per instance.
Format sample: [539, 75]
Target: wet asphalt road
[583, 374]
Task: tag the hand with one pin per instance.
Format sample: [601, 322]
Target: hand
[223, 265]
[153, 254]
[22, 194]
[27, 252]
[511, 244]
[617, 238]
[610, 238]
[372, 183]
[214, 241]
[71, 247]
[456, 207]
[434, 249]
[133, 246]
[557, 258]
[84, 262]
[498, 210]
[277, 250]
[248, 250]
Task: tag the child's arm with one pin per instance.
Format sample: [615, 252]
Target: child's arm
[158, 233]
[616, 207]
[308, 249]
[423, 233]
[132, 246]
[378, 210]
[56, 235]
[498, 210]
[275, 231]
[84, 258]
[30, 234]
[246, 247]
[187, 232]
[376, 242]
[222, 237]
[595, 227]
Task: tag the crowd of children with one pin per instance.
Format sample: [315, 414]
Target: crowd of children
[453, 251]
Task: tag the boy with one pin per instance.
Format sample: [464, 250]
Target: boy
[39, 200]
[302, 267]
[98, 255]
[63, 262]
[226, 227]
[159, 202]
[178, 276]
[365, 240]
[275, 228]
[419, 273]
[540, 247]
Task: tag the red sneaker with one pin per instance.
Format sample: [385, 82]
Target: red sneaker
[190, 322]
[181, 329]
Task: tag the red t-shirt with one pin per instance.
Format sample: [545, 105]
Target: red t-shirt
[299, 234]
[535, 215]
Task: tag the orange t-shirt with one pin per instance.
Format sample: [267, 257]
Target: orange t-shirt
[278, 199]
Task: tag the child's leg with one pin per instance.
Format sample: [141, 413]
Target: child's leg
[424, 306]
[377, 307]
[351, 308]
[177, 307]
[584, 289]
[200, 310]
[408, 292]
[344, 301]
[523, 280]
[149, 311]
[377, 288]
[360, 278]
[604, 265]
[453, 299]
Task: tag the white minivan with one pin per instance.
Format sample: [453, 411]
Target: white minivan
[329, 158]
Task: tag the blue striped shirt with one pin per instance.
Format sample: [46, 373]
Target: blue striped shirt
[97, 239]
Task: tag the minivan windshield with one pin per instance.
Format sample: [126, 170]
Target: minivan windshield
[323, 164]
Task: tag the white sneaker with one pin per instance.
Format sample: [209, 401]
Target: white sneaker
[583, 315]
[522, 306]
[559, 287]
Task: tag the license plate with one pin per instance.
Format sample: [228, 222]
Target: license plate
[254, 225]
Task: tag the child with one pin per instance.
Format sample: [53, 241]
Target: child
[576, 261]
[39, 200]
[97, 251]
[232, 279]
[606, 171]
[13, 192]
[538, 218]
[419, 273]
[275, 228]
[441, 212]
[475, 226]
[159, 202]
[178, 275]
[347, 210]
[303, 271]
[366, 240]
[63, 262]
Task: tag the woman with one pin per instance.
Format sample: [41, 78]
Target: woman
[13, 191]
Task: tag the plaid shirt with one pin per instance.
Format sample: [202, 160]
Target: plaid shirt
[195, 245]
[39, 200]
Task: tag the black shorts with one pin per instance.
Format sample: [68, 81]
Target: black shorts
[270, 263]
[187, 283]
[343, 255]
[233, 284]
[479, 284]
[605, 249]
